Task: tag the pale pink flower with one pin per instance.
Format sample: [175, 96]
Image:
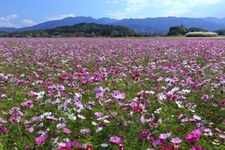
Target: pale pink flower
[99, 114]
[176, 140]
[85, 131]
[27, 104]
[67, 131]
[118, 94]
[115, 139]
[164, 136]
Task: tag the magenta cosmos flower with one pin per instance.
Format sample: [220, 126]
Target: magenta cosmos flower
[194, 136]
[221, 102]
[4, 130]
[40, 140]
[27, 104]
[115, 139]
[197, 148]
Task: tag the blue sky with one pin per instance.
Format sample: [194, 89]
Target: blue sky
[19, 13]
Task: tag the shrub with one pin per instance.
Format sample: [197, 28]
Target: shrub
[201, 34]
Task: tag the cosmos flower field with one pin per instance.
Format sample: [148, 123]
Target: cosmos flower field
[103, 93]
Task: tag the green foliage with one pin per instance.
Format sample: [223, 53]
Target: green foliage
[1, 146]
[3, 34]
[91, 30]
[177, 30]
[220, 32]
[197, 30]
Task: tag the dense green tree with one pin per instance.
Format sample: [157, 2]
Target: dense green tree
[177, 30]
[197, 30]
[221, 32]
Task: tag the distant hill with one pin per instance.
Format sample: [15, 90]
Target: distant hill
[215, 20]
[162, 25]
[58, 23]
[159, 25]
[78, 30]
[8, 29]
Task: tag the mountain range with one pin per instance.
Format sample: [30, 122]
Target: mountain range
[158, 25]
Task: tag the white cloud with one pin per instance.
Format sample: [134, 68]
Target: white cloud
[180, 8]
[62, 16]
[6, 24]
[112, 1]
[173, 7]
[9, 18]
[131, 7]
[6, 21]
[28, 22]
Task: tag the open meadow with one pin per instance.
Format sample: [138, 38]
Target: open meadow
[112, 93]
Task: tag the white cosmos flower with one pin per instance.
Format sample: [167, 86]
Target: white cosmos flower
[81, 117]
[104, 145]
[98, 129]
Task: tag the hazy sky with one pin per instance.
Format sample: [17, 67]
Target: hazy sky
[18, 13]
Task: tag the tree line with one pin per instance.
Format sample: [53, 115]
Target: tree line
[79, 30]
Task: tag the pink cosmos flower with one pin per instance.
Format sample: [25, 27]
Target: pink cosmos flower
[31, 129]
[142, 119]
[145, 135]
[176, 140]
[85, 131]
[55, 65]
[40, 140]
[27, 147]
[133, 104]
[118, 94]
[197, 148]
[15, 119]
[164, 136]
[2, 121]
[138, 109]
[100, 92]
[4, 130]
[67, 131]
[194, 136]
[205, 97]
[222, 136]
[99, 114]
[65, 76]
[27, 104]
[115, 139]
[218, 130]
[221, 102]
